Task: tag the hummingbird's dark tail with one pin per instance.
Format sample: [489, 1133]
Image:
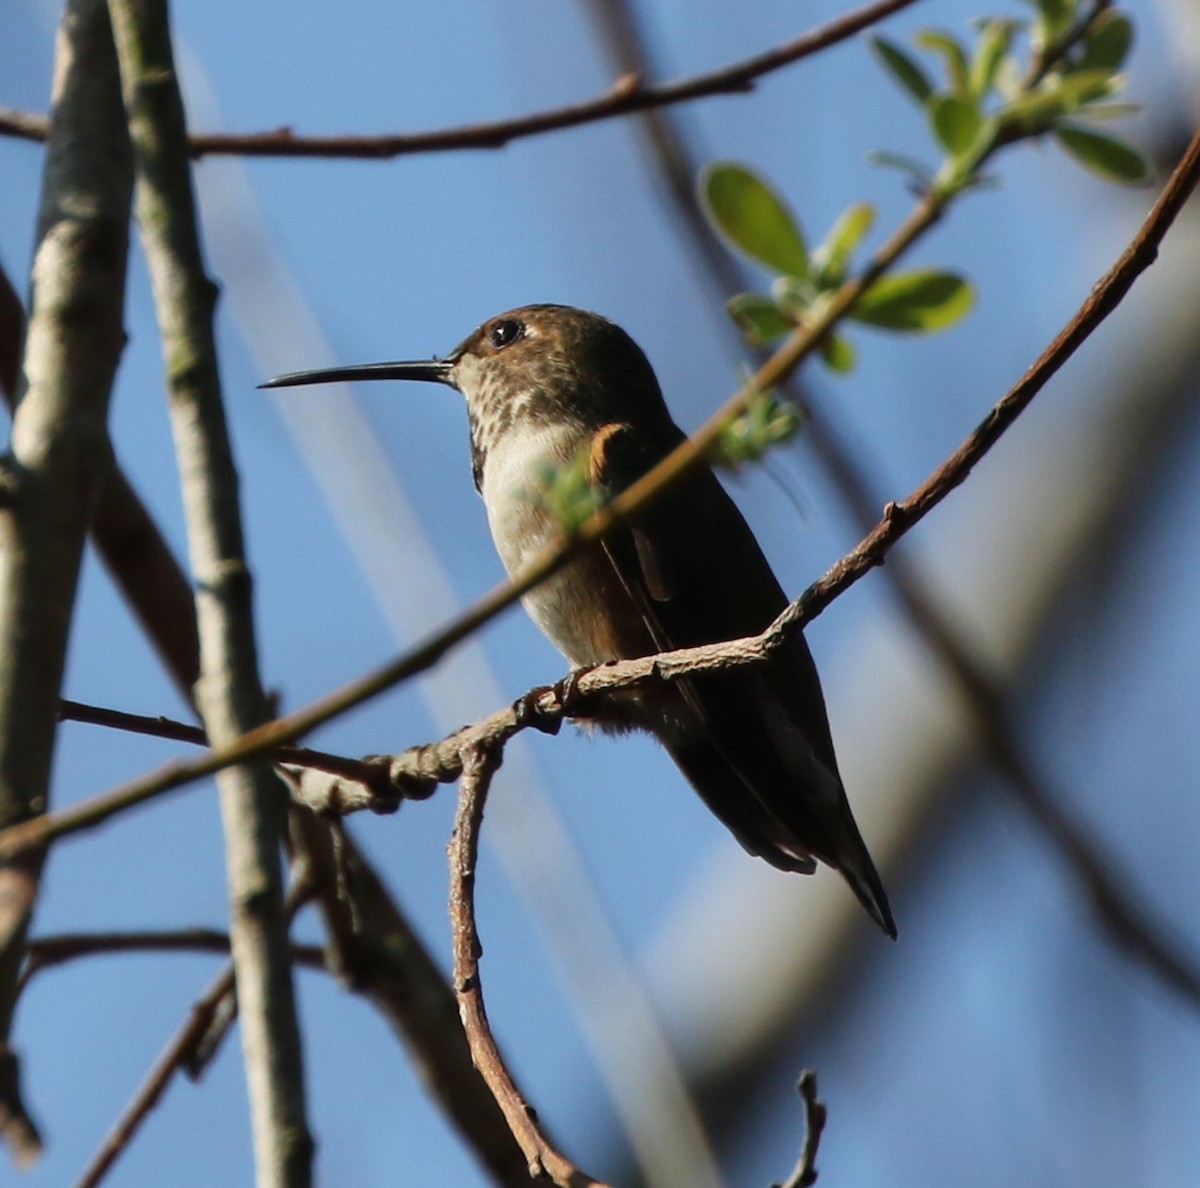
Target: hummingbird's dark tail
[841, 847]
[865, 882]
[783, 830]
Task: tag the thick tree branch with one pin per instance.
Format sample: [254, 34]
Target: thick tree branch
[229, 694]
[127, 539]
[627, 95]
[59, 456]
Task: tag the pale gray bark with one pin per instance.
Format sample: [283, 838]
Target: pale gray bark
[228, 694]
[59, 457]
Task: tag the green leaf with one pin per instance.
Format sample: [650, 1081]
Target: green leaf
[956, 122]
[1055, 17]
[903, 69]
[1059, 96]
[744, 208]
[994, 40]
[925, 299]
[1111, 111]
[952, 54]
[1085, 86]
[1108, 40]
[833, 256]
[920, 176]
[1105, 155]
[837, 353]
[567, 492]
[794, 296]
[760, 319]
[767, 421]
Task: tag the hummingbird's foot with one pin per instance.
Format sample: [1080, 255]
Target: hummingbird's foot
[567, 691]
[528, 711]
[566, 702]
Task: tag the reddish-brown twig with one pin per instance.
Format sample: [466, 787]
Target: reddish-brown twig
[159, 1077]
[627, 95]
[544, 1158]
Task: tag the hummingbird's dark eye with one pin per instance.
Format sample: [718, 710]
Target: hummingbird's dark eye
[505, 332]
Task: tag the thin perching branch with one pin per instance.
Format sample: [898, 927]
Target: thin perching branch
[229, 694]
[59, 456]
[627, 95]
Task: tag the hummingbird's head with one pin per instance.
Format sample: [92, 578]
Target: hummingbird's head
[539, 364]
[545, 365]
[534, 367]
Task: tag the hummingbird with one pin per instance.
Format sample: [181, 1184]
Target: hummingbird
[549, 385]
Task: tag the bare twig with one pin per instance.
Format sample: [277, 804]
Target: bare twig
[359, 770]
[389, 964]
[804, 1174]
[543, 1157]
[160, 1076]
[46, 952]
[628, 94]
[898, 519]
[59, 456]
[211, 1014]
[229, 693]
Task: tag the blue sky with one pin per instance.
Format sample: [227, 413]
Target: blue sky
[999, 1041]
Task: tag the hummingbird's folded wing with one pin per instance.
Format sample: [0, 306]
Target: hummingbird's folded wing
[754, 741]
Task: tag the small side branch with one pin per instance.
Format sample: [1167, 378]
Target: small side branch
[626, 96]
[804, 1174]
[545, 1160]
[171, 1059]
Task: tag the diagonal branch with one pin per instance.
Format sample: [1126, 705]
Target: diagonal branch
[626, 96]
[898, 519]
[150, 1092]
[1128, 923]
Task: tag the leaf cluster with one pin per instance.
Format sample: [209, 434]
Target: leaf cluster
[985, 98]
[568, 493]
[767, 421]
[753, 218]
[976, 99]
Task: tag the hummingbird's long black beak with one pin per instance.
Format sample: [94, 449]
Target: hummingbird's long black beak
[436, 371]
